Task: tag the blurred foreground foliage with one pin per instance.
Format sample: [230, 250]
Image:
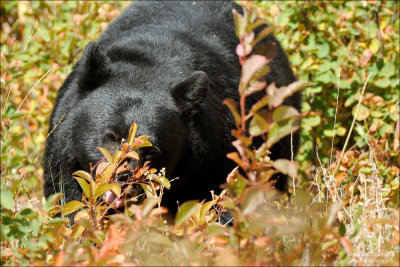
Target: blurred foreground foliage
[342, 208]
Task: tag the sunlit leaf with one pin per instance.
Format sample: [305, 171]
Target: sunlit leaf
[382, 83]
[161, 180]
[205, 208]
[101, 189]
[236, 158]
[323, 50]
[132, 133]
[132, 155]
[105, 153]
[7, 199]
[83, 214]
[148, 190]
[363, 112]
[312, 120]
[117, 156]
[84, 185]
[71, 207]
[374, 46]
[77, 231]
[185, 211]
[83, 174]
[240, 23]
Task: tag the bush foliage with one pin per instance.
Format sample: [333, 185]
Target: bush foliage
[343, 200]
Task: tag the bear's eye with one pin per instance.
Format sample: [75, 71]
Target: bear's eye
[110, 136]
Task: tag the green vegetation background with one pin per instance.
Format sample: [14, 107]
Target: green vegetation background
[356, 41]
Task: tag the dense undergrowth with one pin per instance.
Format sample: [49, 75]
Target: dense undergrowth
[343, 202]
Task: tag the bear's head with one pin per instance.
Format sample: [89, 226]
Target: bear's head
[174, 106]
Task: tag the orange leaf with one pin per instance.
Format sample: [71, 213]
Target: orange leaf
[346, 245]
[339, 178]
[59, 260]
[235, 157]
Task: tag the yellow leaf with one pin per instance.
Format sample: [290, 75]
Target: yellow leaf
[83, 175]
[71, 207]
[374, 46]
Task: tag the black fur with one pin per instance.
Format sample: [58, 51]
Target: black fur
[166, 66]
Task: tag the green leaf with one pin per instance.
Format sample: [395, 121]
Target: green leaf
[286, 166]
[148, 205]
[312, 120]
[159, 239]
[385, 128]
[264, 33]
[148, 190]
[325, 77]
[259, 124]
[260, 104]
[363, 112]
[283, 19]
[258, 22]
[240, 23]
[146, 143]
[7, 199]
[51, 201]
[72, 206]
[105, 153]
[160, 179]
[388, 70]
[206, 208]
[342, 229]
[45, 34]
[84, 185]
[323, 50]
[215, 230]
[101, 189]
[340, 131]
[302, 198]
[284, 112]
[382, 83]
[281, 129]
[83, 175]
[185, 211]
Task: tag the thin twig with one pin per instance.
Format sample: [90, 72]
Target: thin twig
[352, 125]
[334, 122]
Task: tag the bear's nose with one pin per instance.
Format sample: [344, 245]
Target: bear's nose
[127, 173]
[132, 163]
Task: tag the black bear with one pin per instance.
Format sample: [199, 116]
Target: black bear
[166, 66]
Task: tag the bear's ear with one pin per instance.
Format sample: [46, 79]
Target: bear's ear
[190, 93]
[92, 68]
